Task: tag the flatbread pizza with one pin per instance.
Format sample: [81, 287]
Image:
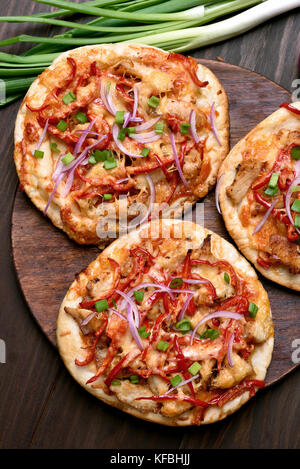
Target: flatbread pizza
[170, 324]
[119, 120]
[259, 193]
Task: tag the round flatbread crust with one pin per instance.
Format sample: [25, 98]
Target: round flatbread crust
[282, 118]
[69, 340]
[82, 229]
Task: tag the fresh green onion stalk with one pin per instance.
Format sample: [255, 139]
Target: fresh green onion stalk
[170, 25]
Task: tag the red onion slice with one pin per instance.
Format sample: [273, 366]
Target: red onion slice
[133, 306]
[43, 135]
[264, 218]
[147, 125]
[136, 100]
[218, 186]
[182, 384]
[185, 306]
[85, 321]
[127, 119]
[177, 161]
[213, 124]
[151, 203]
[229, 350]
[295, 182]
[216, 314]
[83, 137]
[114, 311]
[58, 181]
[192, 281]
[146, 137]
[107, 99]
[193, 128]
[133, 328]
[115, 133]
[121, 181]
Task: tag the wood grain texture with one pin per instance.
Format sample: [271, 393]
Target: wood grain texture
[40, 405]
[46, 260]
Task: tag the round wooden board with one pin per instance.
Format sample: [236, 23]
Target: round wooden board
[46, 260]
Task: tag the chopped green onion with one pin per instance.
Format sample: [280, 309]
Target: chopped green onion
[39, 154]
[159, 128]
[139, 295]
[145, 151]
[296, 205]
[114, 303]
[131, 130]
[134, 379]
[54, 148]
[210, 334]
[184, 326]
[68, 158]
[271, 191]
[295, 153]
[92, 159]
[143, 333]
[163, 345]
[101, 305]
[62, 125]
[122, 135]
[253, 308]
[184, 128]
[101, 155]
[194, 368]
[107, 196]
[110, 164]
[295, 189]
[119, 119]
[69, 98]
[116, 382]
[297, 221]
[153, 102]
[226, 277]
[175, 380]
[274, 180]
[176, 282]
[81, 117]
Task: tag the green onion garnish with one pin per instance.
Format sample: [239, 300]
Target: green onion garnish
[252, 310]
[116, 382]
[295, 189]
[114, 303]
[176, 282]
[143, 333]
[210, 334]
[139, 295]
[194, 368]
[69, 98]
[295, 153]
[122, 135]
[134, 379]
[226, 277]
[119, 119]
[131, 130]
[110, 164]
[271, 191]
[81, 117]
[62, 125]
[145, 151]
[175, 380]
[163, 345]
[39, 154]
[153, 102]
[184, 128]
[159, 128]
[68, 158]
[297, 221]
[274, 180]
[184, 326]
[107, 196]
[296, 205]
[101, 305]
[54, 148]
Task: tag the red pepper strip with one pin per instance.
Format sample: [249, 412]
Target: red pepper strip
[223, 350]
[240, 301]
[280, 216]
[191, 66]
[291, 108]
[236, 391]
[186, 273]
[91, 354]
[225, 265]
[128, 99]
[265, 179]
[134, 252]
[156, 328]
[116, 280]
[115, 371]
[148, 168]
[264, 264]
[191, 400]
[71, 77]
[183, 365]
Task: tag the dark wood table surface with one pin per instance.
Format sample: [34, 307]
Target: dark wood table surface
[40, 404]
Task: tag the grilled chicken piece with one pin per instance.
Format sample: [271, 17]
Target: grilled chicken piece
[174, 408]
[228, 377]
[157, 385]
[203, 351]
[247, 173]
[288, 253]
[128, 392]
[79, 314]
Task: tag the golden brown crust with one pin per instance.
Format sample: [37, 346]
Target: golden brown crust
[35, 176]
[262, 144]
[69, 338]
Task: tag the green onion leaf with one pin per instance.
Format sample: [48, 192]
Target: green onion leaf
[252, 310]
[175, 380]
[226, 277]
[184, 326]
[153, 102]
[68, 158]
[134, 379]
[116, 382]
[119, 119]
[297, 221]
[81, 117]
[122, 135]
[143, 333]
[211, 334]
[295, 153]
[271, 191]
[159, 128]
[110, 164]
[274, 180]
[295, 189]
[39, 154]
[194, 368]
[163, 345]
[139, 295]
[107, 196]
[184, 128]
[131, 130]
[69, 98]
[101, 305]
[296, 205]
[54, 148]
[176, 282]
[62, 125]
[145, 151]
